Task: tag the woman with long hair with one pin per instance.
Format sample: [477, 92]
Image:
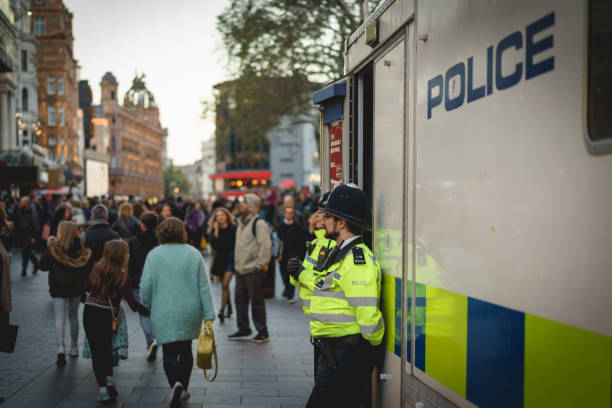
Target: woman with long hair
[174, 285]
[108, 283]
[126, 224]
[222, 234]
[66, 259]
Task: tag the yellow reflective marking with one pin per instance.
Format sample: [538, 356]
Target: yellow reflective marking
[565, 366]
[446, 338]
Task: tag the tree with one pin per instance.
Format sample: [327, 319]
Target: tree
[175, 178]
[298, 41]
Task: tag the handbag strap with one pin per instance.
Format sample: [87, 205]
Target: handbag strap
[111, 307]
[208, 326]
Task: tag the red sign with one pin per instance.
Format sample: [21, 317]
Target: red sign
[335, 154]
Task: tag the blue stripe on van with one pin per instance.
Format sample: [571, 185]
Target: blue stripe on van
[495, 355]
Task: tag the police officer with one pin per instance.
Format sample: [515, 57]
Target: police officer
[346, 323]
[316, 253]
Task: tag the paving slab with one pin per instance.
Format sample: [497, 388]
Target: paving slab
[271, 375]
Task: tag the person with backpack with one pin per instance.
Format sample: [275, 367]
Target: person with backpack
[140, 246]
[252, 255]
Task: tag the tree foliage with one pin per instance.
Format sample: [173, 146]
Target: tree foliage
[280, 51]
[174, 177]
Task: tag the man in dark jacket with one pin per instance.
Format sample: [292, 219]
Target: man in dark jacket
[27, 230]
[140, 245]
[97, 234]
[292, 236]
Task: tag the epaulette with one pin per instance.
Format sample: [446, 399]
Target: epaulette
[358, 256]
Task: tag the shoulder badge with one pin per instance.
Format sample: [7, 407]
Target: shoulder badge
[358, 256]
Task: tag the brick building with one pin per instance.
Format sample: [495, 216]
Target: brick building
[137, 139]
[58, 85]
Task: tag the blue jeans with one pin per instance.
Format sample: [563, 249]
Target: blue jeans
[145, 322]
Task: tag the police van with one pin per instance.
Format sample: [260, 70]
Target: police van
[481, 131]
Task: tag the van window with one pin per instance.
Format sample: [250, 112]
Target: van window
[600, 72]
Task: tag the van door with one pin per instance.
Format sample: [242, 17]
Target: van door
[388, 207]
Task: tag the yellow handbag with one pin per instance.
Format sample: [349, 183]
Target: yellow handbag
[207, 352]
[203, 243]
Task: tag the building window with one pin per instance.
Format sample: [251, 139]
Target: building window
[51, 85]
[600, 76]
[62, 159]
[39, 26]
[24, 60]
[286, 160]
[52, 156]
[24, 99]
[51, 115]
[51, 141]
[112, 96]
[39, 2]
[60, 85]
[61, 116]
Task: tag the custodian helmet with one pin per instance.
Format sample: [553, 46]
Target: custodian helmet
[348, 203]
[323, 200]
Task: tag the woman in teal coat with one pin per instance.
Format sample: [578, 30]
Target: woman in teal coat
[174, 287]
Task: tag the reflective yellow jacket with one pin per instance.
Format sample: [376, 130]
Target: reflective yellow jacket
[308, 274]
[346, 296]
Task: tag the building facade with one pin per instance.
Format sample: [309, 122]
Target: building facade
[208, 166]
[294, 153]
[28, 127]
[10, 12]
[137, 139]
[58, 84]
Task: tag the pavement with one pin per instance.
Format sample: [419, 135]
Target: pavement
[277, 374]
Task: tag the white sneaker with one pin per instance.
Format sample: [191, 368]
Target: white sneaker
[175, 395]
[74, 351]
[185, 395]
[290, 301]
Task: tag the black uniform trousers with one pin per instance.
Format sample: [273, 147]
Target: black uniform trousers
[346, 380]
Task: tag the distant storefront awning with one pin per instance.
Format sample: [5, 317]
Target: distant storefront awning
[252, 174]
[234, 193]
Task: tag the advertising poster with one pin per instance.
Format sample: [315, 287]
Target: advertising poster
[335, 153]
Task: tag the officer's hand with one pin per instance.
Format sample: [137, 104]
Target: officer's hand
[294, 268]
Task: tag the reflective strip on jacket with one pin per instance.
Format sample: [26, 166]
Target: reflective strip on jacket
[346, 299]
[308, 275]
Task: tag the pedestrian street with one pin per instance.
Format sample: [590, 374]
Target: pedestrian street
[271, 375]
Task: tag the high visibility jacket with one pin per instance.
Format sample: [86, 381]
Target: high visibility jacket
[308, 274]
[346, 296]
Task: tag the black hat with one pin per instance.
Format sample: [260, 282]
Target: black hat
[348, 203]
[323, 199]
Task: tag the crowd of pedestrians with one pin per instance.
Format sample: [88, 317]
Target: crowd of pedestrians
[100, 252]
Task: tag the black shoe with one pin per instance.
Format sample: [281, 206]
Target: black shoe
[229, 310]
[262, 337]
[240, 335]
[175, 395]
[23, 272]
[221, 316]
[61, 359]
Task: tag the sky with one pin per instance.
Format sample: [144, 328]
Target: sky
[177, 46]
